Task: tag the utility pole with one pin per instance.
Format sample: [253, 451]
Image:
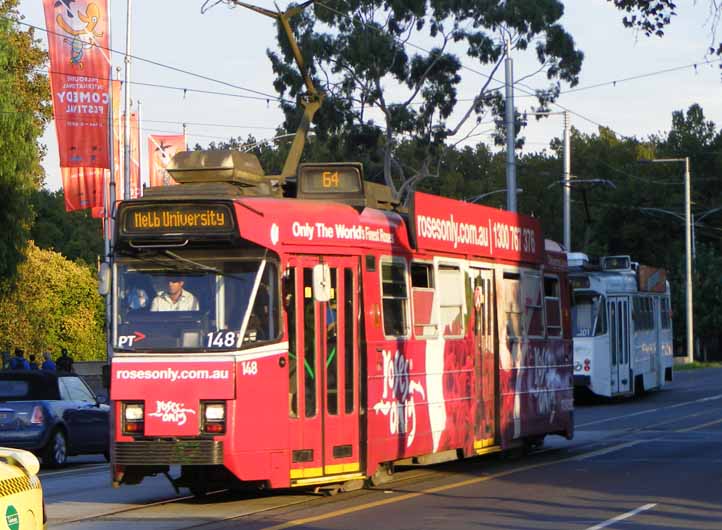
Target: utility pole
[126, 124]
[567, 184]
[510, 134]
[688, 227]
[688, 258]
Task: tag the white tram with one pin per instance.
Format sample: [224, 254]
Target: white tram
[622, 325]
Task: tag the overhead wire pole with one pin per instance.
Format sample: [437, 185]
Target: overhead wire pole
[689, 308]
[510, 133]
[567, 184]
[126, 121]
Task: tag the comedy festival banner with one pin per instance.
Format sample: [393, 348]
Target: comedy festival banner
[78, 34]
[161, 149]
[86, 184]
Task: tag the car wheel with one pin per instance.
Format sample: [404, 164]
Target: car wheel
[56, 452]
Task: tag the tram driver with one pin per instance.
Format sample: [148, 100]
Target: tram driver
[175, 297]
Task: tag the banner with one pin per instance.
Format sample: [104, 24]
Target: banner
[83, 188]
[78, 34]
[161, 149]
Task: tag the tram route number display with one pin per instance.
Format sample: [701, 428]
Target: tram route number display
[514, 238]
[330, 179]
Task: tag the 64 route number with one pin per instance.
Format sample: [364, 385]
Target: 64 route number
[249, 367]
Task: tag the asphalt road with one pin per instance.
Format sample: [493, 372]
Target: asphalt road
[654, 462]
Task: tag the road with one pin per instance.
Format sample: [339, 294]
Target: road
[650, 463]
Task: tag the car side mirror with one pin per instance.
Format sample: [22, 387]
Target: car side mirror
[104, 279]
[101, 399]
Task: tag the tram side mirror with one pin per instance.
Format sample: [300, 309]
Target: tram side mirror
[104, 279]
[321, 282]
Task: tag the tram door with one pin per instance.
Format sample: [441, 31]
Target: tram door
[485, 358]
[323, 371]
[619, 331]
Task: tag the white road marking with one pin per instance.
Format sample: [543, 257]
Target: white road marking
[610, 522]
[649, 411]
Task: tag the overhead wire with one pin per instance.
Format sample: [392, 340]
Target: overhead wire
[153, 62]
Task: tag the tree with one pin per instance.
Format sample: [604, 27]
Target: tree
[76, 235]
[653, 16]
[24, 111]
[358, 51]
[54, 304]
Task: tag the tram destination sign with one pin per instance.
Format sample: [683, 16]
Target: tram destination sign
[447, 225]
[162, 219]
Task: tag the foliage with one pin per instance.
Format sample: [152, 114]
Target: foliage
[653, 16]
[359, 53]
[76, 235]
[54, 304]
[24, 111]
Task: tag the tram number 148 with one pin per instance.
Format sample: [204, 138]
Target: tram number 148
[249, 367]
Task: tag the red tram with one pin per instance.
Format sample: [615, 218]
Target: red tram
[317, 333]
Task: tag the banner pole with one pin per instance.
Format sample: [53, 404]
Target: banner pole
[109, 199]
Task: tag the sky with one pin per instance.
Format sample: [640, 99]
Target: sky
[229, 46]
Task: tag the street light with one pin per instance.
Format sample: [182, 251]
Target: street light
[695, 222]
[688, 249]
[479, 197]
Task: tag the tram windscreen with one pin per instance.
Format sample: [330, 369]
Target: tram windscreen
[589, 314]
[173, 302]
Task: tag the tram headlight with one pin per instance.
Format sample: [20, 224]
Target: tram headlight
[133, 418]
[214, 418]
[133, 412]
[215, 412]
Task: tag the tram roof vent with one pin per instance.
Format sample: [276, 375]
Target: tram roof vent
[616, 263]
[234, 167]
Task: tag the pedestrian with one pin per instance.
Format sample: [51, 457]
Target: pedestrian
[19, 362]
[48, 363]
[32, 362]
[64, 363]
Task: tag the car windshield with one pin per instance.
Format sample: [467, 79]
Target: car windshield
[588, 314]
[172, 302]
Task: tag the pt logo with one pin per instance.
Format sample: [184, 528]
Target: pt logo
[127, 341]
[171, 412]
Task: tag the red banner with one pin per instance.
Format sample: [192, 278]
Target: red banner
[78, 34]
[161, 149]
[83, 188]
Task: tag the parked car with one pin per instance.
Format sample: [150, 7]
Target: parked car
[54, 415]
[21, 498]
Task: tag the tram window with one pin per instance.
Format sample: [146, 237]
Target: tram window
[512, 305]
[332, 347]
[290, 303]
[349, 327]
[666, 313]
[451, 300]
[533, 303]
[422, 297]
[395, 298]
[601, 326]
[589, 314]
[552, 306]
[613, 341]
[309, 343]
